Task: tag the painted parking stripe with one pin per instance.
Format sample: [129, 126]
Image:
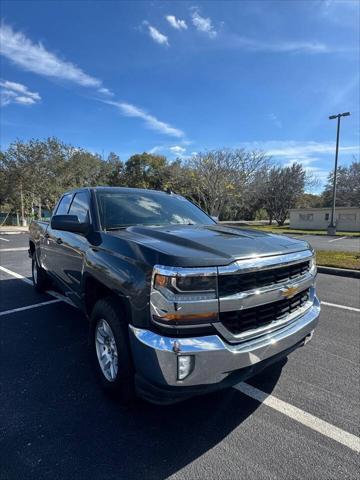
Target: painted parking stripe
[336, 239]
[15, 249]
[57, 295]
[344, 307]
[4, 239]
[16, 275]
[341, 436]
[28, 307]
[60, 297]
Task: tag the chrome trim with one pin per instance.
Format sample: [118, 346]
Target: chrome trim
[155, 356]
[183, 272]
[187, 303]
[267, 329]
[263, 295]
[265, 263]
[163, 301]
[160, 305]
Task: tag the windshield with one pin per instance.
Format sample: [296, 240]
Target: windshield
[124, 209]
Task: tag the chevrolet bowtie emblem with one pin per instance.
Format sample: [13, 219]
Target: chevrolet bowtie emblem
[289, 292]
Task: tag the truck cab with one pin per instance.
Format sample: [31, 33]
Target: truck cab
[178, 304]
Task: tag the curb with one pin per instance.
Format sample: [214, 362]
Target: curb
[324, 235]
[341, 272]
[307, 232]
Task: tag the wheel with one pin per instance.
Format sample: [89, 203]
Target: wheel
[111, 350]
[39, 277]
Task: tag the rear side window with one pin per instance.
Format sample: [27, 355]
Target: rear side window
[64, 205]
[80, 206]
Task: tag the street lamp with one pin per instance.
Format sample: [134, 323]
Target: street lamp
[332, 226]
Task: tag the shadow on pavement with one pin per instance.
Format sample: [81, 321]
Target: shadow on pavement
[56, 422]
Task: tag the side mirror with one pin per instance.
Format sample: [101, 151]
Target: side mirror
[69, 223]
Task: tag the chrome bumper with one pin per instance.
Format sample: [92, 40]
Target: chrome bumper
[155, 356]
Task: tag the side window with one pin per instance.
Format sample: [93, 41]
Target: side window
[80, 206]
[64, 205]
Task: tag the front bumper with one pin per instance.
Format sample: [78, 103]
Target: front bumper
[215, 362]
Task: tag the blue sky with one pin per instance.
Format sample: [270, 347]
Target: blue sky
[180, 77]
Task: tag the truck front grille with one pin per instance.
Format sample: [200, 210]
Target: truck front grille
[252, 318]
[234, 283]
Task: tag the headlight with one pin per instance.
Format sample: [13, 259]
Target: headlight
[193, 287]
[184, 295]
[313, 264]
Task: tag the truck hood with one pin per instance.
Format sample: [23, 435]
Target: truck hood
[207, 245]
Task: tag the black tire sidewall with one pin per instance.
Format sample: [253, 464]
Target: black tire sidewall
[40, 285]
[123, 385]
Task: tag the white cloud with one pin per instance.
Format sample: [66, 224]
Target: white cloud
[203, 24]
[285, 46]
[339, 11]
[157, 36]
[105, 91]
[12, 92]
[274, 119]
[156, 149]
[317, 158]
[176, 22]
[177, 149]
[35, 58]
[152, 122]
[300, 149]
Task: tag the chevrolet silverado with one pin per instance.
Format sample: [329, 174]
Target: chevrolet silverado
[178, 305]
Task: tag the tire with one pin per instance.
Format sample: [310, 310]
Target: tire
[39, 277]
[108, 324]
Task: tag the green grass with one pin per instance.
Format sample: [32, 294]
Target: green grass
[332, 258]
[285, 229]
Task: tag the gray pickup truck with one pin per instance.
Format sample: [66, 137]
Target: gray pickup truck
[178, 304]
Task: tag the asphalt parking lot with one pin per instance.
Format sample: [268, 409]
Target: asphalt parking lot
[324, 242]
[298, 420]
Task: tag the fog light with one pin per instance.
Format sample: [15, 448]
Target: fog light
[309, 337]
[185, 365]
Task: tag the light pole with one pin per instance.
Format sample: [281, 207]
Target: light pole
[332, 226]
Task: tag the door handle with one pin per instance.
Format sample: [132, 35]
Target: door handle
[59, 241]
[47, 235]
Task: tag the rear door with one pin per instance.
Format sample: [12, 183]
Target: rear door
[49, 248]
[71, 248]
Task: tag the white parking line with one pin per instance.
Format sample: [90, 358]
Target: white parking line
[15, 249]
[4, 239]
[60, 297]
[16, 275]
[341, 436]
[353, 309]
[336, 239]
[28, 307]
[57, 295]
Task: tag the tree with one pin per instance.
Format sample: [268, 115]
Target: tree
[309, 200]
[43, 169]
[145, 171]
[283, 188]
[347, 187]
[219, 177]
[116, 170]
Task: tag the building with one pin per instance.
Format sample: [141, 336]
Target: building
[347, 219]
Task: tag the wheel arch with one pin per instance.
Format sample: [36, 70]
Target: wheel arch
[95, 290]
[31, 247]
